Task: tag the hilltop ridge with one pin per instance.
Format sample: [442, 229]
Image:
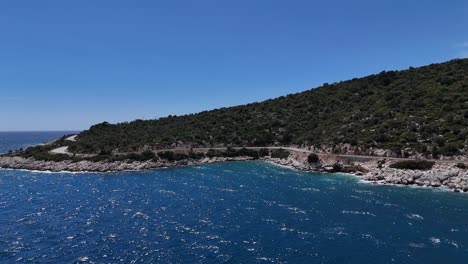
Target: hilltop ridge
[415, 111]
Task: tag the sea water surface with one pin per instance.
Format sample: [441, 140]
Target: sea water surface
[236, 212]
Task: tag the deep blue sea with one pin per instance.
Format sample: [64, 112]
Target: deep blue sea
[237, 212]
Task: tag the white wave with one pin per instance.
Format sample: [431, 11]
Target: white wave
[49, 171]
[167, 192]
[265, 259]
[417, 245]
[83, 259]
[227, 190]
[140, 214]
[453, 243]
[307, 189]
[414, 216]
[357, 213]
[335, 231]
[435, 240]
[296, 210]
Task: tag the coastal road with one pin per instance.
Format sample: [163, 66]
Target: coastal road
[321, 155]
[61, 150]
[71, 138]
[64, 150]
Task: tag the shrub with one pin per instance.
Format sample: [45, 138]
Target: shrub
[263, 152]
[313, 158]
[337, 167]
[140, 157]
[280, 153]
[147, 155]
[413, 165]
[104, 152]
[168, 155]
[230, 152]
[248, 152]
[98, 158]
[180, 156]
[196, 155]
[211, 153]
[435, 152]
[450, 149]
[45, 156]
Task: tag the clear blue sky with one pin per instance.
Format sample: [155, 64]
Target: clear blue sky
[65, 65]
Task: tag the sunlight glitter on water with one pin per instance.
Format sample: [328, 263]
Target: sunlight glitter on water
[229, 212]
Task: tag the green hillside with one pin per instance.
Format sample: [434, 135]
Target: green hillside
[422, 110]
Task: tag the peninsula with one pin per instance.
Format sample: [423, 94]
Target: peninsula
[400, 127]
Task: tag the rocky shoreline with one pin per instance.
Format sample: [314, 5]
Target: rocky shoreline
[103, 166]
[442, 174]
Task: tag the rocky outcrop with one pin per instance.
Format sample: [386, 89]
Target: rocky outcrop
[442, 174]
[329, 164]
[102, 166]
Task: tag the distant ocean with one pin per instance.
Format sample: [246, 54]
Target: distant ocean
[236, 212]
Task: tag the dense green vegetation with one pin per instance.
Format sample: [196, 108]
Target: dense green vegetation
[413, 165]
[422, 110]
[280, 153]
[418, 110]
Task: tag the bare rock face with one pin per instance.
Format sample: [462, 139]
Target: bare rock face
[442, 174]
[435, 183]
